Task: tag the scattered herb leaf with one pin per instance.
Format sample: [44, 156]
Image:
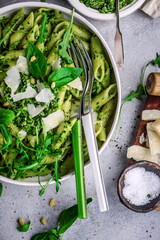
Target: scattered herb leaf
[62, 76]
[148, 195]
[1, 189]
[24, 228]
[43, 29]
[9, 31]
[6, 116]
[138, 94]
[38, 66]
[65, 42]
[66, 219]
[153, 62]
[55, 177]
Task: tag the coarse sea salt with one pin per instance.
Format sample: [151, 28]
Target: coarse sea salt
[141, 186]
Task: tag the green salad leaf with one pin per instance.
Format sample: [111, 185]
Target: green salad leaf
[134, 94]
[153, 62]
[64, 44]
[24, 228]
[62, 76]
[1, 189]
[43, 29]
[36, 61]
[66, 219]
[9, 31]
[6, 116]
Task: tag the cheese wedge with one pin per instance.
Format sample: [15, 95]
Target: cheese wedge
[156, 126]
[149, 115]
[139, 153]
[154, 140]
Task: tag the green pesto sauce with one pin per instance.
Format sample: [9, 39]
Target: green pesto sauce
[106, 6]
[23, 119]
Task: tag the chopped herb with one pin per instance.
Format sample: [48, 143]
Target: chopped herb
[62, 76]
[36, 61]
[138, 95]
[66, 219]
[1, 189]
[43, 29]
[65, 42]
[153, 62]
[148, 195]
[24, 228]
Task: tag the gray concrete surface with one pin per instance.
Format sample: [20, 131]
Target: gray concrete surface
[141, 42]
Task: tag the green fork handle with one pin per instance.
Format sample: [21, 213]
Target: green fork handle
[79, 168]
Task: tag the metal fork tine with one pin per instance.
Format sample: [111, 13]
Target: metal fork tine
[74, 56]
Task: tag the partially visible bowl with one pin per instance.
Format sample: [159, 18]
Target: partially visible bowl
[29, 6]
[92, 13]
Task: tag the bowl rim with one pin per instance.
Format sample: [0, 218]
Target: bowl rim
[16, 6]
[92, 13]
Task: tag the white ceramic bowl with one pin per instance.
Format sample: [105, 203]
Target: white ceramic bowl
[29, 6]
[92, 13]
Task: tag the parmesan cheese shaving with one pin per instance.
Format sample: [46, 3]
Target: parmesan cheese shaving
[154, 140]
[156, 126]
[76, 84]
[139, 153]
[149, 115]
[40, 86]
[53, 120]
[56, 64]
[22, 65]
[29, 93]
[22, 133]
[34, 111]
[45, 96]
[13, 79]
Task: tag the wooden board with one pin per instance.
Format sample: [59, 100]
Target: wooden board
[152, 102]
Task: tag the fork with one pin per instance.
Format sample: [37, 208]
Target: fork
[118, 51]
[85, 114]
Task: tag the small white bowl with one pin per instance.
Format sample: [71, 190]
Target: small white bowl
[79, 20]
[95, 14]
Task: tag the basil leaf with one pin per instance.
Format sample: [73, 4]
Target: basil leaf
[51, 234]
[65, 42]
[24, 228]
[1, 189]
[68, 217]
[6, 116]
[62, 76]
[38, 66]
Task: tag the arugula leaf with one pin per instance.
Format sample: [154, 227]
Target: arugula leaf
[138, 95]
[7, 136]
[153, 62]
[38, 66]
[68, 217]
[24, 228]
[62, 76]
[1, 189]
[43, 29]
[65, 42]
[6, 116]
[55, 177]
[9, 31]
